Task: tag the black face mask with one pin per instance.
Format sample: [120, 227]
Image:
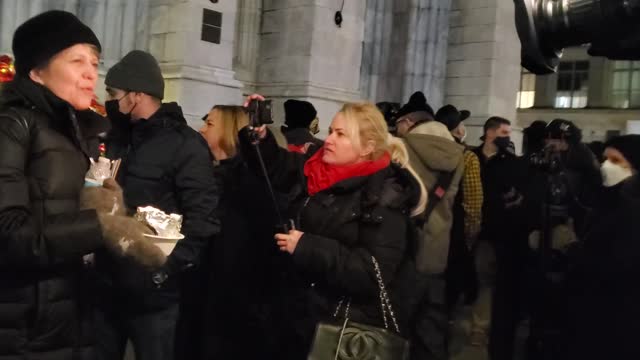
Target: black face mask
[502, 142]
[112, 107]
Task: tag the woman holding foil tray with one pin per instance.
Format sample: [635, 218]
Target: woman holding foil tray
[47, 134]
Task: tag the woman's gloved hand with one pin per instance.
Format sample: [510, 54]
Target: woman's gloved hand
[104, 199]
[124, 236]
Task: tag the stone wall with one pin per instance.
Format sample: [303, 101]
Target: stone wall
[483, 67]
[304, 55]
[405, 49]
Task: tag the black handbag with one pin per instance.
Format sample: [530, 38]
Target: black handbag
[349, 340]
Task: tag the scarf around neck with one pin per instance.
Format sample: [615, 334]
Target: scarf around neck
[321, 176]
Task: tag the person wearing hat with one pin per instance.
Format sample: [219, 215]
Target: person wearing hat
[165, 164]
[48, 221]
[582, 168]
[415, 112]
[603, 302]
[300, 124]
[467, 213]
[439, 162]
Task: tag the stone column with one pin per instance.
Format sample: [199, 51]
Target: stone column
[405, 49]
[483, 68]
[247, 42]
[198, 74]
[304, 55]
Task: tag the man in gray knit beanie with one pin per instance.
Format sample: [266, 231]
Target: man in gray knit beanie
[165, 164]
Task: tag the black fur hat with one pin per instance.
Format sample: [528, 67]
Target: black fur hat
[417, 105]
[38, 39]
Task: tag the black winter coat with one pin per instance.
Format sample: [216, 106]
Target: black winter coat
[343, 227]
[504, 179]
[301, 140]
[167, 165]
[603, 279]
[243, 272]
[44, 148]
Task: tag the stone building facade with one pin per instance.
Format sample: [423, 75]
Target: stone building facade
[463, 52]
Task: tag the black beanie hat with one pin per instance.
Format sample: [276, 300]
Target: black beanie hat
[629, 146]
[298, 114]
[137, 71]
[451, 117]
[418, 107]
[40, 38]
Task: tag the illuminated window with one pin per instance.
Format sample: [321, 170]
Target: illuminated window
[625, 86]
[527, 93]
[573, 85]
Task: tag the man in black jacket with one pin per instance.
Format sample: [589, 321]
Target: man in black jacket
[167, 165]
[503, 179]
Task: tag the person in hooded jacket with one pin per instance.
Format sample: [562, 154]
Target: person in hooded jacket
[242, 283]
[167, 165]
[439, 162]
[605, 264]
[352, 212]
[300, 125]
[48, 221]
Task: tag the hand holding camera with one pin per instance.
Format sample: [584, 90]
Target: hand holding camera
[260, 115]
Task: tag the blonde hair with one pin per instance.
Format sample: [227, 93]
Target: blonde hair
[365, 123]
[232, 119]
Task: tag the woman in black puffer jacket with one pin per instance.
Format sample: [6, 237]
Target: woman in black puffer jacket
[354, 202]
[47, 135]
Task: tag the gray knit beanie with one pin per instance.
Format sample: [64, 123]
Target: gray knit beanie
[138, 71]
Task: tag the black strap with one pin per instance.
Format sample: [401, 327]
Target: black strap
[438, 192]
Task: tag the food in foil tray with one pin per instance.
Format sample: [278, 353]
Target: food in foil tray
[165, 225]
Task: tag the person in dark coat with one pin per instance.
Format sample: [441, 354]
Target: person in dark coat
[355, 204]
[604, 297]
[300, 124]
[503, 234]
[241, 281]
[167, 165]
[47, 134]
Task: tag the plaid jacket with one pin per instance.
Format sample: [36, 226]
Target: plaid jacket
[473, 195]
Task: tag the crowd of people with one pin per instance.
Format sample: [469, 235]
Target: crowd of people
[391, 222]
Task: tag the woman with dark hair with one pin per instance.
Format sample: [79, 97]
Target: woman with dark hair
[604, 295]
[47, 135]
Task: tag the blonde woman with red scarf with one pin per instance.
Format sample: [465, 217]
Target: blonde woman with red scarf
[351, 200]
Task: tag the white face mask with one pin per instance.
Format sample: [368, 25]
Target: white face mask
[614, 174]
[464, 136]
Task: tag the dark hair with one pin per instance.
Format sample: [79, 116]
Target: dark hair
[495, 122]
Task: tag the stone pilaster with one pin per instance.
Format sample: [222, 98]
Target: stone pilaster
[483, 68]
[198, 74]
[304, 55]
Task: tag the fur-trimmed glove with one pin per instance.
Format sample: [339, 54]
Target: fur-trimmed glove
[124, 236]
[105, 199]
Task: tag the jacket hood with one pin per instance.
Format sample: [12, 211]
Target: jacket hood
[434, 152]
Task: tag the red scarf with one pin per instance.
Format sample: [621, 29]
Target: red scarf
[321, 176]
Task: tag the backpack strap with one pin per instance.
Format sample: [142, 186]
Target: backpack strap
[438, 192]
